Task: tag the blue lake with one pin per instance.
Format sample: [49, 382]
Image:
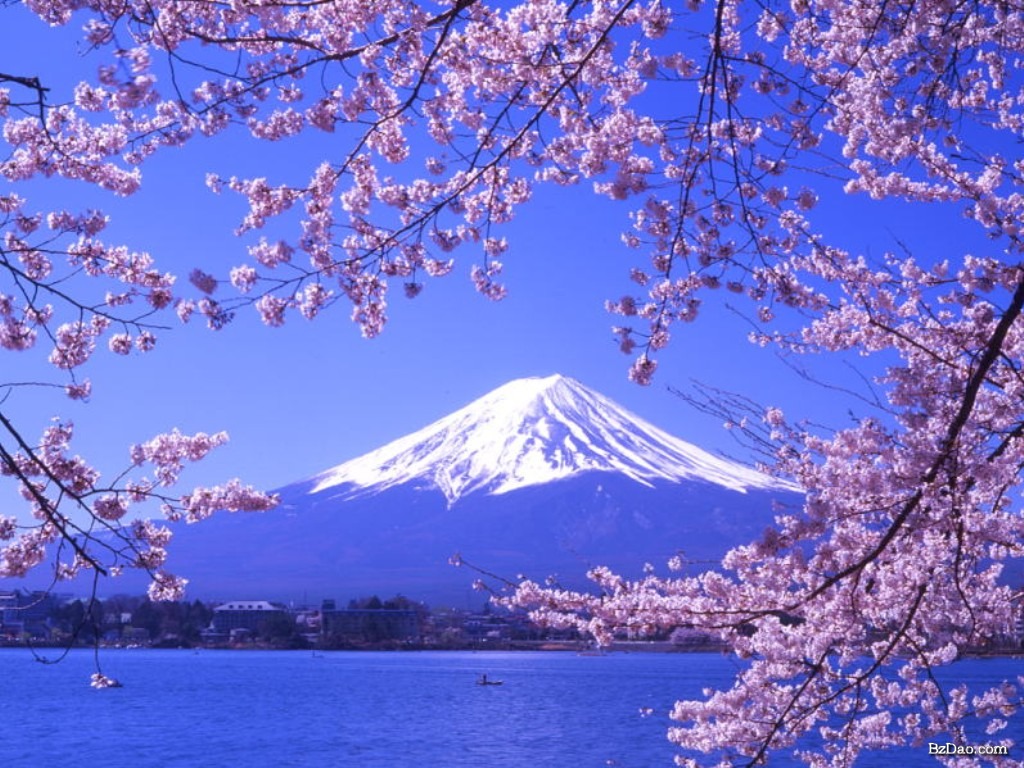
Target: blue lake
[185, 709]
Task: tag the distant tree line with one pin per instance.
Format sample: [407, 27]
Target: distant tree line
[124, 618]
[41, 618]
[50, 619]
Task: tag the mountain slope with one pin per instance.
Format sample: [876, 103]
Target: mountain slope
[401, 540]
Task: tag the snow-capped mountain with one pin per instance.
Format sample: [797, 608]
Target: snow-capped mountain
[530, 432]
[542, 477]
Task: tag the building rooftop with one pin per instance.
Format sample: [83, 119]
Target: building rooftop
[248, 605]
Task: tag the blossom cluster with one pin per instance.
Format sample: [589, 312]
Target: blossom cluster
[85, 522]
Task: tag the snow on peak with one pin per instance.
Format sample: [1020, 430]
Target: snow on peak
[530, 432]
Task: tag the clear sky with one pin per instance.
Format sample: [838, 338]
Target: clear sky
[300, 399]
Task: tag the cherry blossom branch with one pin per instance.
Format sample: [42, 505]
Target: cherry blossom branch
[966, 405]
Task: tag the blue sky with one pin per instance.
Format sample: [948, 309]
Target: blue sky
[308, 396]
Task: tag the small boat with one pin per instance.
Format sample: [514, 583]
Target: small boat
[484, 681]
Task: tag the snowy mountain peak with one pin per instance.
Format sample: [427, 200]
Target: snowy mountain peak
[530, 432]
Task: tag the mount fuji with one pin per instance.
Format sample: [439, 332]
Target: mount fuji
[531, 432]
[541, 476]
